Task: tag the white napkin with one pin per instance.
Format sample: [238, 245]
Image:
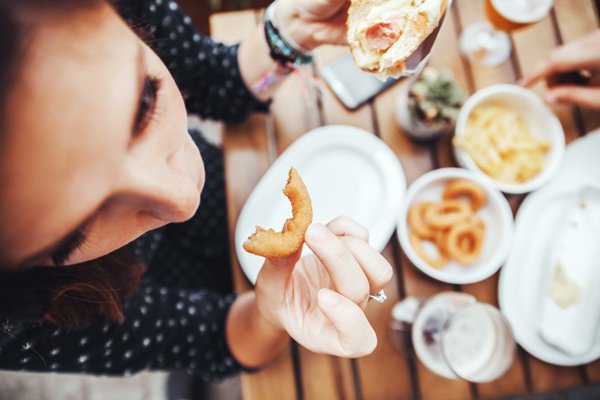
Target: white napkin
[570, 309]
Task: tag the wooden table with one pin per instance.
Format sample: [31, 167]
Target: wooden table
[252, 146]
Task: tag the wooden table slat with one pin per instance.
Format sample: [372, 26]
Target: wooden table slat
[416, 160]
[385, 373]
[246, 160]
[469, 11]
[295, 111]
[514, 381]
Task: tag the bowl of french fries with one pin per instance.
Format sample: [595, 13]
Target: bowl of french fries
[506, 134]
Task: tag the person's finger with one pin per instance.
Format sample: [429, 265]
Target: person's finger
[378, 270]
[579, 95]
[346, 226]
[279, 269]
[346, 274]
[570, 57]
[542, 70]
[355, 335]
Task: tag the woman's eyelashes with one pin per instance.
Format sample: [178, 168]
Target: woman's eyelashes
[147, 104]
[68, 246]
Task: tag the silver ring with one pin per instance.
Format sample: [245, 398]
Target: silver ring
[380, 297]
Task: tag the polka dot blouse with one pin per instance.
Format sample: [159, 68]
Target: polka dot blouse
[176, 320]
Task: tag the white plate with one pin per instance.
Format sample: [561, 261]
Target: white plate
[496, 214]
[537, 224]
[348, 171]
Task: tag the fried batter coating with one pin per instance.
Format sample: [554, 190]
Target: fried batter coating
[270, 244]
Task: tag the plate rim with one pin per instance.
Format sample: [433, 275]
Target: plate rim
[504, 298]
[450, 172]
[327, 136]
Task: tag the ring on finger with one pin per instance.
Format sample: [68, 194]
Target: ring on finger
[380, 297]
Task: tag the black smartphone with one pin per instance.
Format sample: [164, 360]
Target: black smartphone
[352, 86]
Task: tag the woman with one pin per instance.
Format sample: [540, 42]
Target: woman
[95, 152]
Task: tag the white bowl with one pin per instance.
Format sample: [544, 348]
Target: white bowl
[496, 214]
[542, 121]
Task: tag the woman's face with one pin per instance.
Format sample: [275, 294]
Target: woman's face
[96, 144]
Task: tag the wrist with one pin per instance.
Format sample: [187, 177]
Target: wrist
[253, 341]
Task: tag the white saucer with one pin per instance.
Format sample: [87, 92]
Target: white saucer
[348, 171]
[537, 224]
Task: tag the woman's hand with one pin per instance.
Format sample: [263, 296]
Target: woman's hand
[573, 57]
[319, 299]
[311, 23]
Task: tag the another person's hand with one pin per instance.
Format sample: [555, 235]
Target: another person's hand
[572, 58]
[319, 299]
[311, 23]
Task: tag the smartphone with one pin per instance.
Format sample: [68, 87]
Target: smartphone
[352, 86]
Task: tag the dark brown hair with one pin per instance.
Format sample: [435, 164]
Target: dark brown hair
[72, 295]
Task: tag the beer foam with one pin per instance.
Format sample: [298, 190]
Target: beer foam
[522, 11]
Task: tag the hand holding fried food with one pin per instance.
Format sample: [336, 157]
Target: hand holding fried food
[270, 244]
[451, 226]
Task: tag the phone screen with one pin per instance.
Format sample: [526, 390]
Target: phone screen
[350, 84]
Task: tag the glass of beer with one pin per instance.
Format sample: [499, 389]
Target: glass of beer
[455, 336]
[487, 43]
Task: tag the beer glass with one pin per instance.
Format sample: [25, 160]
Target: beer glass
[456, 337]
[487, 43]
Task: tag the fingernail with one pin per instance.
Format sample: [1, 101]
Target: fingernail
[327, 298]
[316, 233]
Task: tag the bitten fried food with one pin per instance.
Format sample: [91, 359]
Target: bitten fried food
[383, 34]
[271, 244]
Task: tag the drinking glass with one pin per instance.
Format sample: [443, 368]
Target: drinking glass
[487, 43]
[455, 336]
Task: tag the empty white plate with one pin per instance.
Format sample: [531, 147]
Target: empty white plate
[347, 170]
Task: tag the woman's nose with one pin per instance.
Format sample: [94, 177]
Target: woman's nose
[167, 186]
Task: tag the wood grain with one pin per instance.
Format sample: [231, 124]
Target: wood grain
[246, 160]
[250, 148]
[416, 160]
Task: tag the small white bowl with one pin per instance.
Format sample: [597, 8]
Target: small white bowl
[542, 121]
[496, 214]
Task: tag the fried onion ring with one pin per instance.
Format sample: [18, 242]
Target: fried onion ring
[446, 214]
[270, 244]
[440, 238]
[452, 225]
[417, 222]
[416, 244]
[459, 188]
[465, 242]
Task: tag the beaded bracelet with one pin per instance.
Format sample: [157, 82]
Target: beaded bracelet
[282, 50]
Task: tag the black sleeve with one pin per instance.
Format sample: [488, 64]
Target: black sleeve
[163, 329]
[206, 72]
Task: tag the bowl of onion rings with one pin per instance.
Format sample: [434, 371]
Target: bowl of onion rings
[455, 226]
[507, 135]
